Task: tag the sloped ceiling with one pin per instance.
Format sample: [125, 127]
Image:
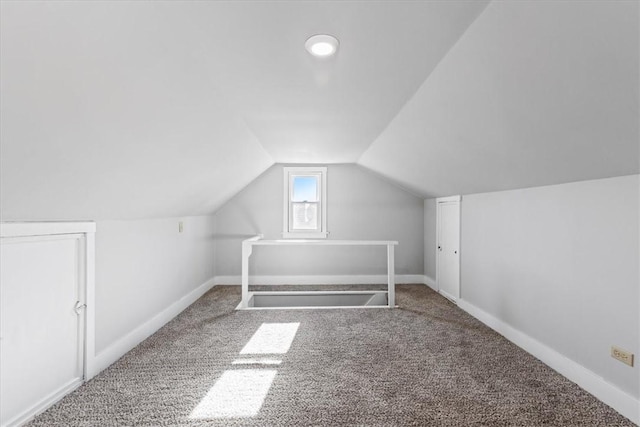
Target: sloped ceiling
[122, 110]
[534, 93]
[108, 112]
[305, 110]
[118, 110]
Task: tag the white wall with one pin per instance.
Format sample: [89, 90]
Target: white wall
[360, 206]
[144, 267]
[430, 236]
[560, 264]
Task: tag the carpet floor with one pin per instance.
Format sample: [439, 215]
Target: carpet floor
[427, 363]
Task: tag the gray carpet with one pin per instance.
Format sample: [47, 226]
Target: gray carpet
[427, 363]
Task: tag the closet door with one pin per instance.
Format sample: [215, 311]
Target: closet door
[42, 322]
[448, 250]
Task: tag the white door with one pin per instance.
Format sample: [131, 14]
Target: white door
[42, 325]
[448, 250]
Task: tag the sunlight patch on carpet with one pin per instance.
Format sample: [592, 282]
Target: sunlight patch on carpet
[240, 393]
[271, 338]
[237, 394]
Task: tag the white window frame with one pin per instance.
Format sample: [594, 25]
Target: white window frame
[289, 173]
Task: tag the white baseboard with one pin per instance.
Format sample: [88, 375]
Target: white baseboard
[430, 282]
[119, 348]
[43, 404]
[351, 279]
[608, 393]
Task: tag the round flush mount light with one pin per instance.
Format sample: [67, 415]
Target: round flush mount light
[322, 45]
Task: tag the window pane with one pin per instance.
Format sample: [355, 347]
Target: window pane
[305, 216]
[305, 189]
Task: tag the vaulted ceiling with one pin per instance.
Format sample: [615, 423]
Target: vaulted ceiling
[148, 109]
[534, 93]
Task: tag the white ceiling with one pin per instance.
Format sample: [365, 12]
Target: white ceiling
[109, 113]
[534, 93]
[145, 109]
[305, 110]
[154, 109]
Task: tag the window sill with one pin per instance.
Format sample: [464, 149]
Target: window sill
[305, 235]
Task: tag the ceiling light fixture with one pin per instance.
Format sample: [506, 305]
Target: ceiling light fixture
[322, 45]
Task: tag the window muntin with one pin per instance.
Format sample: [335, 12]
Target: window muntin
[305, 202]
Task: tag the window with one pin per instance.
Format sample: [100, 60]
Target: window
[305, 195]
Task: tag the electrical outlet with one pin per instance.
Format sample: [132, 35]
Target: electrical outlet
[622, 355]
[180, 227]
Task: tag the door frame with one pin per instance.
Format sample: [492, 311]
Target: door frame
[87, 273]
[450, 199]
[84, 234]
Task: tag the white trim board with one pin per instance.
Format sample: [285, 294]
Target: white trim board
[351, 279]
[447, 199]
[608, 393]
[90, 301]
[453, 294]
[287, 224]
[84, 233]
[43, 404]
[119, 348]
[20, 229]
[430, 282]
